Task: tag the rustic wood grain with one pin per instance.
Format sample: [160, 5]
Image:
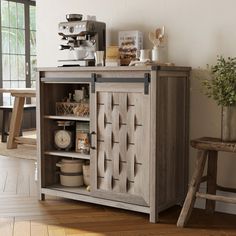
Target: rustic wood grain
[193, 188]
[211, 179]
[135, 164]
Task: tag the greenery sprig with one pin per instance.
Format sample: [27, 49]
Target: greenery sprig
[222, 85]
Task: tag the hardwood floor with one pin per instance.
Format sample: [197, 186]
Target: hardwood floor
[21, 214]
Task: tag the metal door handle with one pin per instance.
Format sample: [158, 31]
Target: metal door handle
[91, 140]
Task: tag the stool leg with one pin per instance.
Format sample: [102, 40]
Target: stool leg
[193, 188]
[211, 179]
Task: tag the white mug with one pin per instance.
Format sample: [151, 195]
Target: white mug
[144, 55]
[80, 53]
[79, 95]
[99, 58]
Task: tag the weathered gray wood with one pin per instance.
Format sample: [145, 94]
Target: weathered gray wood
[94, 106]
[145, 68]
[193, 188]
[225, 189]
[211, 179]
[216, 198]
[140, 141]
[203, 179]
[40, 168]
[154, 188]
[210, 146]
[101, 201]
[214, 144]
[115, 175]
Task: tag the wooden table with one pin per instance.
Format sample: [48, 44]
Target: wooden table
[208, 149]
[20, 95]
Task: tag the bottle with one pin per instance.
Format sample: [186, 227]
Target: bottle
[83, 93]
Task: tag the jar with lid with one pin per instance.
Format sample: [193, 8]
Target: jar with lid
[82, 143]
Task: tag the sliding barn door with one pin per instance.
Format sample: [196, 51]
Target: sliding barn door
[122, 130]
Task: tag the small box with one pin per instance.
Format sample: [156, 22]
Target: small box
[112, 62]
[112, 53]
[130, 42]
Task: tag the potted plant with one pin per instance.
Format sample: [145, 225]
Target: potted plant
[222, 88]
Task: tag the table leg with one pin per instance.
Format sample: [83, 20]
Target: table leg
[211, 180]
[16, 120]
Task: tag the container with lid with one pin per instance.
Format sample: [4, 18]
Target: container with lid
[70, 165]
[82, 137]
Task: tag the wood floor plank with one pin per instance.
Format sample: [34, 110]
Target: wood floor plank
[39, 229]
[6, 226]
[32, 185]
[23, 184]
[22, 228]
[11, 182]
[54, 230]
[3, 178]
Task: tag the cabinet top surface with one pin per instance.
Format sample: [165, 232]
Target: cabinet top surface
[118, 68]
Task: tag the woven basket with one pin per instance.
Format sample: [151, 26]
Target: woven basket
[72, 108]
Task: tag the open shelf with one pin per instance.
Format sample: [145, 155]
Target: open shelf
[69, 117]
[68, 154]
[77, 190]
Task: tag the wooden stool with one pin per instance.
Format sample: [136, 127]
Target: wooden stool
[5, 119]
[207, 149]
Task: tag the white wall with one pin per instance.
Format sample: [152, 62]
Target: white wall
[197, 32]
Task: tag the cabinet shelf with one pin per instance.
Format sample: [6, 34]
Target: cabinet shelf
[77, 190]
[69, 117]
[68, 154]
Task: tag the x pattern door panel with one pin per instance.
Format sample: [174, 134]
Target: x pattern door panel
[122, 143]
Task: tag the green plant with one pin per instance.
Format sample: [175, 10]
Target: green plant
[222, 85]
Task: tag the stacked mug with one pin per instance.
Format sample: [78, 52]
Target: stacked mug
[71, 174]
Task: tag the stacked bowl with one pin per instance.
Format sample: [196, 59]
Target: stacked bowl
[71, 174]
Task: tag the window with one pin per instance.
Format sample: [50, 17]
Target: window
[18, 45]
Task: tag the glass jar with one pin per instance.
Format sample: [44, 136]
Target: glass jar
[82, 144]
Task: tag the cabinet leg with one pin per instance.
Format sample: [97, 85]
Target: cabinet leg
[193, 188]
[153, 218]
[42, 197]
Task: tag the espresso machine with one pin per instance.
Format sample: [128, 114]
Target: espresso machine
[80, 40]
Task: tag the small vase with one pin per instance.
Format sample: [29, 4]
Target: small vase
[159, 54]
[228, 124]
[155, 54]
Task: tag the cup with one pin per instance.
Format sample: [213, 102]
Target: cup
[99, 58]
[79, 95]
[80, 54]
[144, 55]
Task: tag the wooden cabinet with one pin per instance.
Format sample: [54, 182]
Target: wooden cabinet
[139, 135]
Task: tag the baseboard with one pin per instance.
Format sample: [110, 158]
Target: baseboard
[220, 206]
